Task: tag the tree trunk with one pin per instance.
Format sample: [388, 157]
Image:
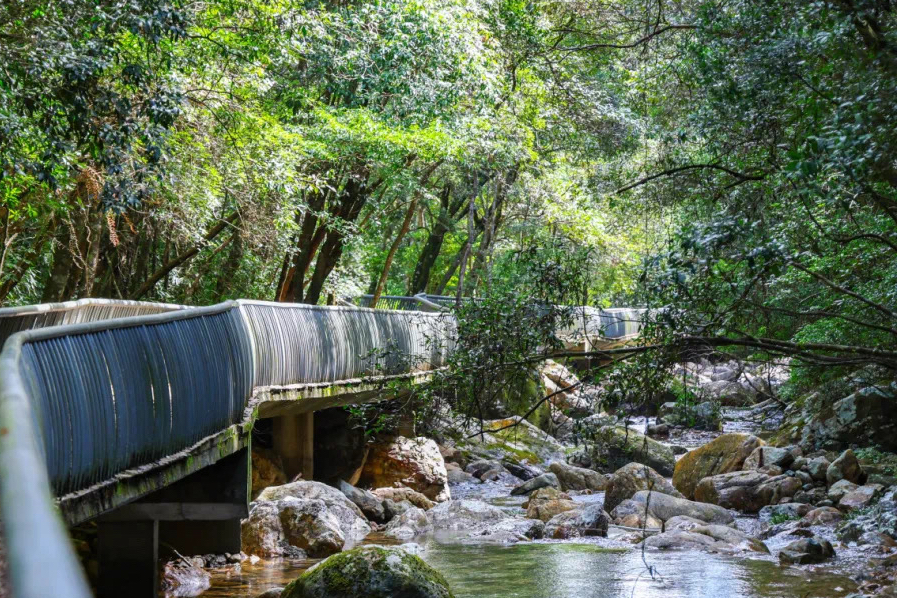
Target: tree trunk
[182, 258]
[406, 224]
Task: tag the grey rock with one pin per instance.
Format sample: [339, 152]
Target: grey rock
[546, 480]
[845, 467]
[664, 507]
[806, 551]
[571, 477]
[789, 510]
[370, 505]
[631, 478]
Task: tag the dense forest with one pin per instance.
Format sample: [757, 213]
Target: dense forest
[732, 161]
[726, 168]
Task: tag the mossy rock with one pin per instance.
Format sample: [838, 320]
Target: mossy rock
[373, 572]
[723, 454]
[616, 446]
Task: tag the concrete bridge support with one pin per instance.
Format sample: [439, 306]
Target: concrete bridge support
[294, 441]
[199, 514]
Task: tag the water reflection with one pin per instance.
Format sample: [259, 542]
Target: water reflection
[561, 570]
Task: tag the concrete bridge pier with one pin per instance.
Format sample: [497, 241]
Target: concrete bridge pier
[198, 514]
[294, 440]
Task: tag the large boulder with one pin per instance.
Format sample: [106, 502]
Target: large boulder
[571, 477]
[724, 454]
[845, 467]
[615, 446]
[373, 572]
[516, 440]
[310, 516]
[747, 491]
[664, 507]
[631, 478]
[837, 490]
[864, 418]
[590, 521]
[415, 463]
[352, 520]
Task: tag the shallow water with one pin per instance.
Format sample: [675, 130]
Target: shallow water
[573, 570]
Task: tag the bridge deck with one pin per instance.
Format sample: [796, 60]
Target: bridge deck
[100, 413]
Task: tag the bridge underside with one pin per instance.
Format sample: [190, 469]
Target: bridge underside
[192, 502]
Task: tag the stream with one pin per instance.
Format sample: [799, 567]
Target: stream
[580, 568]
[574, 569]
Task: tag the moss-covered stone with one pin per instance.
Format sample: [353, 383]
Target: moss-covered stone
[616, 446]
[373, 572]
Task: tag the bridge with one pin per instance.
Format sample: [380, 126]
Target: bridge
[139, 416]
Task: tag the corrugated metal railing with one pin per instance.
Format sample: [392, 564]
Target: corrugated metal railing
[83, 402]
[306, 343]
[28, 317]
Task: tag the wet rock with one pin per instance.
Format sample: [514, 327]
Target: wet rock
[571, 477]
[723, 539]
[817, 467]
[507, 531]
[451, 454]
[370, 505]
[724, 454]
[546, 480]
[747, 491]
[631, 478]
[185, 577]
[845, 467]
[412, 522]
[633, 515]
[763, 456]
[267, 470]
[373, 572]
[788, 510]
[821, 516]
[415, 463]
[862, 497]
[590, 521]
[665, 507]
[464, 514]
[837, 490]
[806, 551]
[399, 494]
[271, 593]
[618, 446]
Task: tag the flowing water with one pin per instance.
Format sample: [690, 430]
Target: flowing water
[572, 570]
